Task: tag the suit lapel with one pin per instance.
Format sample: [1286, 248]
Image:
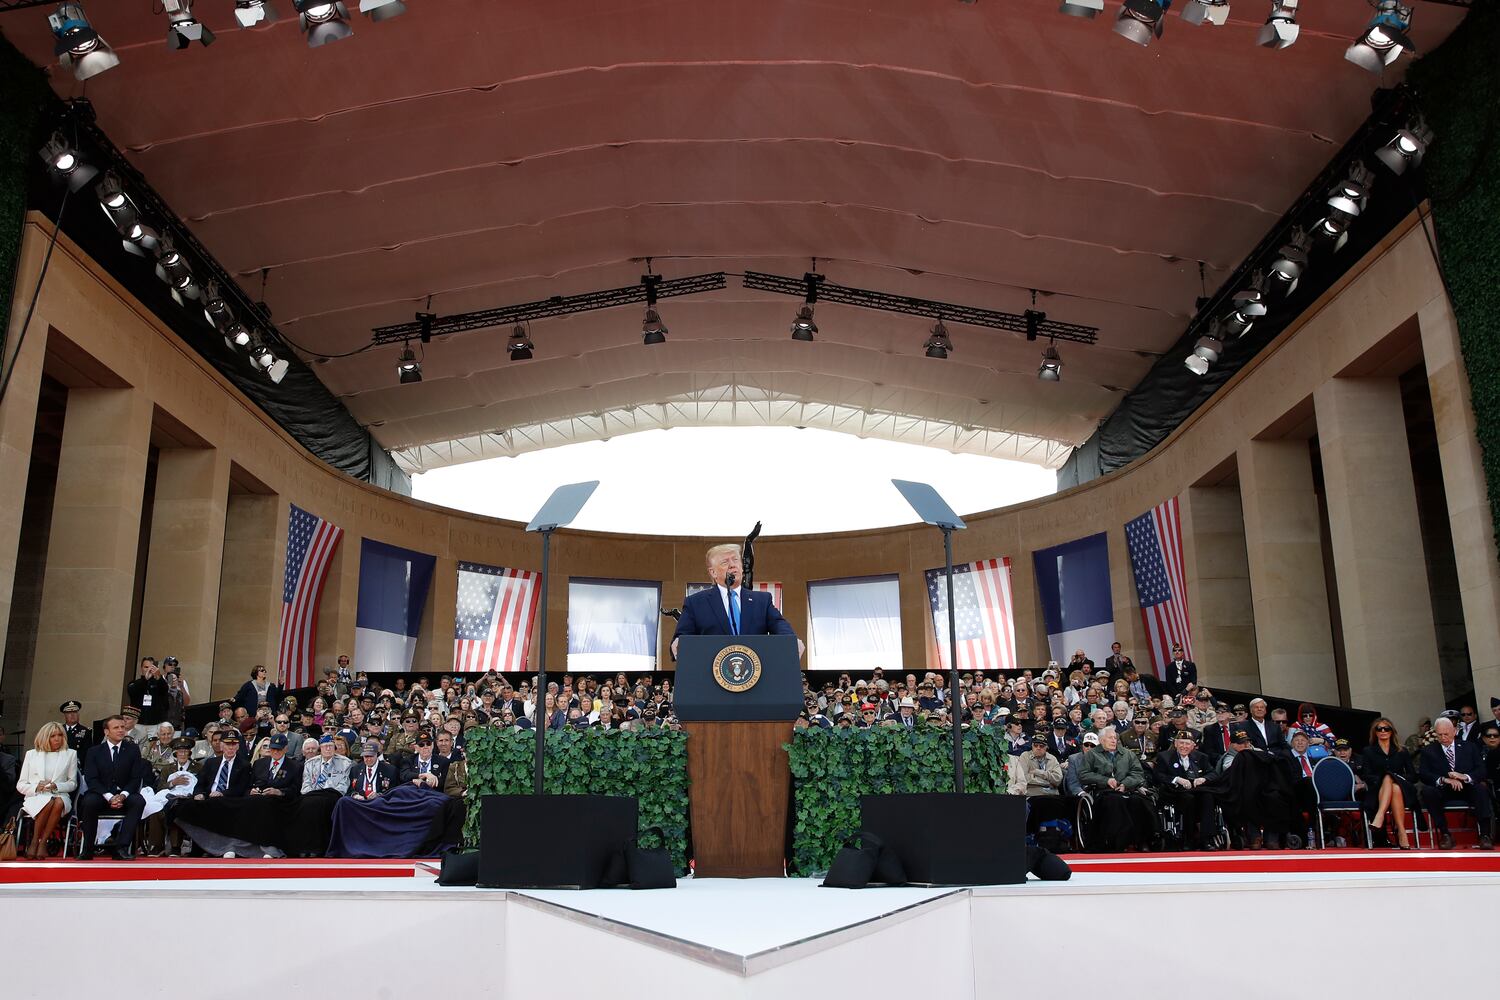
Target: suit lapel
[721, 613]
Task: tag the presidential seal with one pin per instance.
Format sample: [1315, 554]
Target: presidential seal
[737, 668]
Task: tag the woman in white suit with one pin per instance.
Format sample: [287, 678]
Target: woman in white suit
[49, 776]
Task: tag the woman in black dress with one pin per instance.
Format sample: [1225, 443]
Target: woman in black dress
[1387, 773]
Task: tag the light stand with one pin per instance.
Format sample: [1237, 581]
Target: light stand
[559, 510]
[934, 510]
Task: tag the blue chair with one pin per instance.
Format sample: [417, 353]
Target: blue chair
[1334, 783]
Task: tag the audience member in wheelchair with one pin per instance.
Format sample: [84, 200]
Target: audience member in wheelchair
[1182, 774]
[1071, 785]
[1116, 779]
[1386, 767]
[1256, 795]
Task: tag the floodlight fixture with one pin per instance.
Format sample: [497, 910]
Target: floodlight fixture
[653, 330]
[79, 47]
[1351, 194]
[183, 29]
[1406, 148]
[803, 326]
[249, 13]
[520, 345]
[1206, 12]
[65, 163]
[1384, 38]
[1247, 306]
[1281, 28]
[1051, 369]
[381, 10]
[1141, 20]
[408, 368]
[939, 344]
[323, 21]
[1082, 8]
[1291, 261]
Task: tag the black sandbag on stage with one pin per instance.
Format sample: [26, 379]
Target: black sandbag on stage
[943, 838]
[552, 841]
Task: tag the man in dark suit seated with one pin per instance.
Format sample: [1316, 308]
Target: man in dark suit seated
[1452, 770]
[277, 773]
[1266, 733]
[1181, 775]
[373, 776]
[113, 773]
[226, 776]
[726, 608]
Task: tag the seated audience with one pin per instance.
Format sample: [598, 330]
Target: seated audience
[1182, 774]
[1454, 771]
[1122, 815]
[113, 772]
[48, 777]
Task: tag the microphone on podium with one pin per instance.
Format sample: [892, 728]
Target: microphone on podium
[730, 578]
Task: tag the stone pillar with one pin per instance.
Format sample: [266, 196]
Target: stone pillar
[1031, 633]
[82, 648]
[1384, 600]
[1469, 510]
[180, 611]
[1284, 553]
[249, 595]
[1220, 606]
[17, 425]
[434, 650]
[340, 603]
[916, 623]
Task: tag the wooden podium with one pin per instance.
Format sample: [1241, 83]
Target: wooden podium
[737, 697]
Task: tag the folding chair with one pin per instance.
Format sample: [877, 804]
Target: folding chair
[1334, 782]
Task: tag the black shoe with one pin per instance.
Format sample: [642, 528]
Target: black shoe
[107, 845]
[1445, 842]
[87, 854]
[1486, 844]
[124, 854]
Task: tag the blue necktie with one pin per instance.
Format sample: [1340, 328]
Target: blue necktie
[734, 612]
[221, 781]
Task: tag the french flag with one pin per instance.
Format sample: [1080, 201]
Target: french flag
[1072, 581]
[393, 585]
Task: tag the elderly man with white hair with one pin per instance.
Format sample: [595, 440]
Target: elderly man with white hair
[1451, 770]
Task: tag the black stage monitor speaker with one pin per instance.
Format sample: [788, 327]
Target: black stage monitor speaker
[948, 839]
[551, 841]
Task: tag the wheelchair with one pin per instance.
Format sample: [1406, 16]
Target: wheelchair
[1083, 830]
[1174, 828]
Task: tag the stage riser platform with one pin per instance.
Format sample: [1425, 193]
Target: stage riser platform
[771, 938]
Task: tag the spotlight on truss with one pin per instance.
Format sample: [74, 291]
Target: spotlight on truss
[183, 28]
[1281, 28]
[1384, 38]
[323, 21]
[79, 47]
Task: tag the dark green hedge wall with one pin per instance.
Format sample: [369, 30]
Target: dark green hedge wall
[652, 766]
[832, 768]
[1458, 86]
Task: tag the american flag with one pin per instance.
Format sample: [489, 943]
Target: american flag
[310, 542]
[772, 587]
[986, 626]
[1155, 541]
[493, 628]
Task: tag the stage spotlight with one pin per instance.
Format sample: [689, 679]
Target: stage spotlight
[1291, 261]
[184, 29]
[520, 345]
[1209, 348]
[1140, 20]
[1406, 148]
[408, 368]
[173, 269]
[803, 327]
[137, 237]
[252, 12]
[323, 21]
[1248, 306]
[653, 330]
[1384, 38]
[215, 309]
[1082, 8]
[79, 46]
[939, 344]
[65, 163]
[1280, 29]
[1349, 195]
[1196, 364]
[238, 335]
[1051, 369]
[1333, 229]
[1206, 12]
[381, 10]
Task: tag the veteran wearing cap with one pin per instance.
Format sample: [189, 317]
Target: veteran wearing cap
[1182, 773]
[80, 737]
[277, 773]
[372, 776]
[403, 742]
[174, 781]
[424, 767]
[228, 774]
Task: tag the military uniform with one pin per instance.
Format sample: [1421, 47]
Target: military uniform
[80, 737]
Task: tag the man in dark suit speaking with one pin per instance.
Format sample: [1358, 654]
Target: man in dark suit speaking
[725, 608]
